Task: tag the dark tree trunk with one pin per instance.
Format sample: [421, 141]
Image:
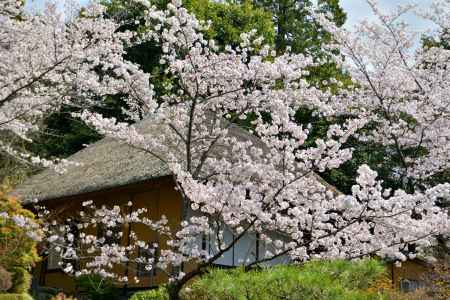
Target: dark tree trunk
[174, 291]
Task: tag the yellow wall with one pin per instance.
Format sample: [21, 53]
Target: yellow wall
[411, 270]
[159, 197]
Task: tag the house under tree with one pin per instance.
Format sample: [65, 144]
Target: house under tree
[112, 172]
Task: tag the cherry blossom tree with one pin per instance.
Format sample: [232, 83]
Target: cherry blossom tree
[50, 59]
[266, 185]
[403, 92]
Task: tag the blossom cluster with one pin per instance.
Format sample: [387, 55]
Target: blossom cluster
[47, 61]
[29, 226]
[402, 90]
[90, 242]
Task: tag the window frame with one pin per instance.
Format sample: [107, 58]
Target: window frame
[151, 251]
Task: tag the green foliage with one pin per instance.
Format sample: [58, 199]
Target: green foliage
[97, 288]
[322, 280]
[229, 20]
[63, 135]
[314, 280]
[156, 294]
[351, 275]
[17, 248]
[21, 280]
[15, 297]
[295, 26]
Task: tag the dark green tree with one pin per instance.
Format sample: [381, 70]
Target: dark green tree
[296, 27]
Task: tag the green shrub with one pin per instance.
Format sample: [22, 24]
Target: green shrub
[331, 280]
[318, 280]
[97, 288]
[21, 280]
[15, 297]
[156, 294]
[18, 241]
[351, 275]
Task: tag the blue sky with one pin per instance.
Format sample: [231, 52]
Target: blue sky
[356, 10]
[359, 9]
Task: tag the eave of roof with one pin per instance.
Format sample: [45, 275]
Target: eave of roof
[106, 164]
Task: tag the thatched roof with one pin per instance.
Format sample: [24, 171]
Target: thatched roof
[106, 164]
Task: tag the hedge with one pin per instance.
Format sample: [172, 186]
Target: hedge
[15, 297]
[325, 280]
